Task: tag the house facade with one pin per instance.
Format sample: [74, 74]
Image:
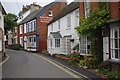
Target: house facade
[62, 37]
[108, 42]
[2, 43]
[32, 31]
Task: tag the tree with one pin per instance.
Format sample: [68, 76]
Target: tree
[9, 22]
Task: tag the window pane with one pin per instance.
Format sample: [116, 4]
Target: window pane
[119, 43]
[116, 33]
[116, 43]
[119, 32]
[119, 54]
[116, 53]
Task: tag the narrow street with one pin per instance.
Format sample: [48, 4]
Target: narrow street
[23, 64]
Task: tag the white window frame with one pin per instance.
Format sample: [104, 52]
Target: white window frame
[21, 29]
[87, 8]
[68, 21]
[57, 40]
[25, 30]
[21, 41]
[59, 25]
[84, 43]
[113, 43]
[50, 12]
[51, 27]
[77, 18]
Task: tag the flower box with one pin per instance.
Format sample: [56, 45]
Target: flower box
[45, 53]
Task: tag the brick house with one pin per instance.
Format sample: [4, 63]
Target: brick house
[109, 34]
[32, 31]
[2, 43]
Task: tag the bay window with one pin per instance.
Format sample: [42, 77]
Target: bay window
[84, 45]
[115, 43]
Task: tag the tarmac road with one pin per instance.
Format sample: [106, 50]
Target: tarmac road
[22, 64]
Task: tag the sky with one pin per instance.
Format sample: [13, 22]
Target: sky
[14, 6]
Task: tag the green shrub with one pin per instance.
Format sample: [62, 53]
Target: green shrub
[113, 75]
[106, 65]
[45, 50]
[17, 47]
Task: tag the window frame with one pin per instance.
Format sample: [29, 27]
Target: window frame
[21, 29]
[87, 8]
[113, 48]
[69, 21]
[50, 12]
[56, 43]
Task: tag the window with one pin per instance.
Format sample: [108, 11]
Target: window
[29, 27]
[25, 28]
[16, 30]
[87, 8]
[77, 18]
[15, 40]
[34, 25]
[51, 27]
[115, 43]
[31, 42]
[57, 43]
[21, 29]
[58, 24]
[84, 45]
[21, 41]
[69, 21]
[50, 12]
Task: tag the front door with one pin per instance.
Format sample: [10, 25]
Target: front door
[105, 48]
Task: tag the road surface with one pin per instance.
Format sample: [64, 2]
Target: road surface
[22, 64]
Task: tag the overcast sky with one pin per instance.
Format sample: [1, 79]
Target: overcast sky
[14, 6]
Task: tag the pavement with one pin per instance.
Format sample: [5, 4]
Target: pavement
[29, 66]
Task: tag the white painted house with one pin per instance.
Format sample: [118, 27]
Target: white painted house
[2, 44]
[62, 37]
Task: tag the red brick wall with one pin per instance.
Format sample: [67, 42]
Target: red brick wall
[115, 12]
[42, 27]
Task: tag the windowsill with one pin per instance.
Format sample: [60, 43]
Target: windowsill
[85, 54]
[50, 15]
[115, 61]
[68, 28]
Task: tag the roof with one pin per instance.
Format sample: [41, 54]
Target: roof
[56, 35]
[3, 10]
[34, 14]
[69, 8]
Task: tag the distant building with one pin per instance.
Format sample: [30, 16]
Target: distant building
[2, 43]
[62, 37]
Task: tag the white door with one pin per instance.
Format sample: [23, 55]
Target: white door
[105, 48]
[0, 45]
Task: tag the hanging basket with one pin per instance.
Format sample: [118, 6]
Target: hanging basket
[72, 40]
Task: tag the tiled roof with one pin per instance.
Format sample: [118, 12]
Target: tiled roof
[69, 8]
[56, 35]
[34, 14]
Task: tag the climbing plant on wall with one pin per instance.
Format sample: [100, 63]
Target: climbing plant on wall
[90, 26]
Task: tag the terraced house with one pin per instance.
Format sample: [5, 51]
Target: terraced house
[62, 36]
[2, 43]
[32, 31]
[108, 35]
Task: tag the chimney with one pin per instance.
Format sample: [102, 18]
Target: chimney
[24, 9]
[33, 7]
[63, 3]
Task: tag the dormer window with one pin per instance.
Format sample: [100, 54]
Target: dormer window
[50, 13]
